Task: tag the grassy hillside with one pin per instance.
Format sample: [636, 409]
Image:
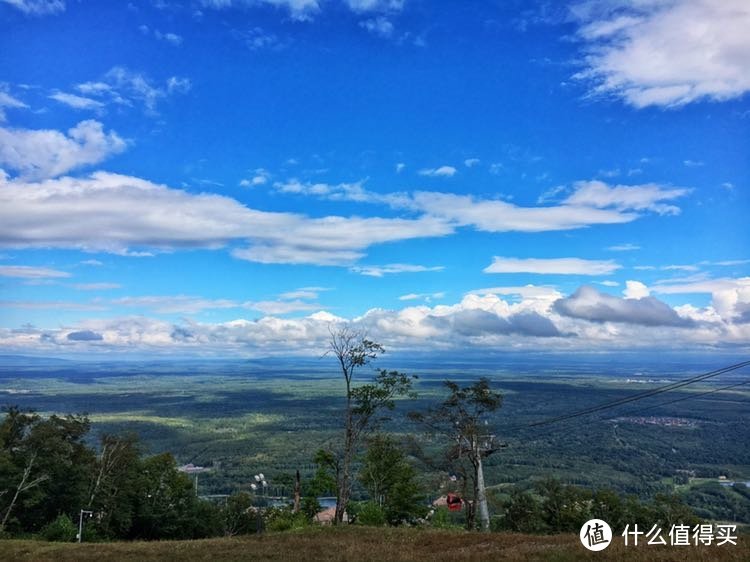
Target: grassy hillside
[369, 544]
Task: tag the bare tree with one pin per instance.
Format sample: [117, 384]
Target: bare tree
[365, 403]
[462, 418]
[25, 483]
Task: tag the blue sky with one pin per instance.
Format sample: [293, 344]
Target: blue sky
[228, 177]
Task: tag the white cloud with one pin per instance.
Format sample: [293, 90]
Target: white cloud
[500, 216]
[124, 87]
[380, 26]
[400, 167]
[609, 283]
[76, 102]
[37, 7]
[483, 320]
[260, 177]
[300, 10]
[553, 266]
[304, 293]
[47, 153]
[9, 102]
[171, 38]
[441, 172]
[591, 203]
[526, 292]
[96, 286]
[471, 162]
[589, 304]
[635, 290]
[646, 197]
[700, 286]
[666, 52]
[693, 163]
[381, 270]
[31, 272]
[122, 214]
[52, 305]
[679, 268]
[375, 5]
[628, 247]
[426, 297]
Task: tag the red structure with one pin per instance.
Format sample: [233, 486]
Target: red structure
[455, 503]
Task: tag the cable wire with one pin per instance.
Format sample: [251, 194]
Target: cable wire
[638, 396]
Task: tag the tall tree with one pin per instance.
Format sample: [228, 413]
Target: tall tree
[365, 404]
[390, 480]
[463, 419]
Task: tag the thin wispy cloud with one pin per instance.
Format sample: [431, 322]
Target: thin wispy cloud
[552, 266]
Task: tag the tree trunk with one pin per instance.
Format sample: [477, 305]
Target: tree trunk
[297, 490]
[23, 485]
[342, 494]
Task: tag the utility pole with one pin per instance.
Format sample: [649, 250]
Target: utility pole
[484, 512]
[79, 536]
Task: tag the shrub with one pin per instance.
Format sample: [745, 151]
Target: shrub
[283, 519]
[370, 513]
[61, 529]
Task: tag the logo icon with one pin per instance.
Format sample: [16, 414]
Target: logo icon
[596, 534]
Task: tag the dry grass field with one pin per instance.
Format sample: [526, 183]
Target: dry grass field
[369, 544]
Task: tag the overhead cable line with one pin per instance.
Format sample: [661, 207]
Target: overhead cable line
[638, 396]
[689, 397]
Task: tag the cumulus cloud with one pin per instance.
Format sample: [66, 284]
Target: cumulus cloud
[260, 177]
[31, 272]
[84, 335]
[37, 7]
[121, 214]
[666, 53]
[45, 153]
[556, 266]
[491, 319]
[635, 290]
[589, 304]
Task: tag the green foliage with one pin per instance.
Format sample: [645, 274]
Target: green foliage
[391, 481]
[556, 508]
[44, 468]
[61, 529]
[283, 519]
[368, 513]
[443, 519]
[239, 515]
[523, 514]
